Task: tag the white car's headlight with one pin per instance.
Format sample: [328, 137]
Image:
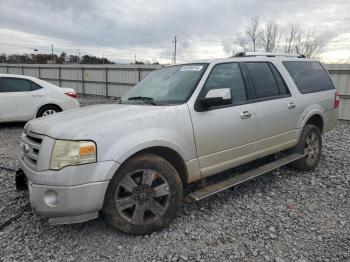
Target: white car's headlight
[70, 153]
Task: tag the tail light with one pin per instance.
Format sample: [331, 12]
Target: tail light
[71, 94]
[336, 99]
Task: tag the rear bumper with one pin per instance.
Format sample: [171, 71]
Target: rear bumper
[330, 119]
[70, 103]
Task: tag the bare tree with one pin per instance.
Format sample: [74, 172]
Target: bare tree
[253, 32]
[309, 43]
[271, 36]
[291, 34]
[292, 38]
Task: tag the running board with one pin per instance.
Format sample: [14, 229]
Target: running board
[238, 179]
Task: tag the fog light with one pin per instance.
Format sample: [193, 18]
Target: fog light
[51, 198]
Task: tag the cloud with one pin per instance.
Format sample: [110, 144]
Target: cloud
[148, 27]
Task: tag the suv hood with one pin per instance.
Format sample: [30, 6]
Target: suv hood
[68, 124]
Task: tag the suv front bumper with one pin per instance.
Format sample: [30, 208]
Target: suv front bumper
[63, 202]
[65, 205]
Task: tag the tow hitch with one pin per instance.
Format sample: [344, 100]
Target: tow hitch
[21, 181]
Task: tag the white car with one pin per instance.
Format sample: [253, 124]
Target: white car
[23, 98]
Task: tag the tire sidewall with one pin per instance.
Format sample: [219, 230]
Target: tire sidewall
[144, 161]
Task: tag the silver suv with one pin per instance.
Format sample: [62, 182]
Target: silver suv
[180, 124]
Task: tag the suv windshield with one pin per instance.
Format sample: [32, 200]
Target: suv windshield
[169, 85]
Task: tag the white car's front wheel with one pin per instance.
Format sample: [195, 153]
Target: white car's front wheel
[48, 110]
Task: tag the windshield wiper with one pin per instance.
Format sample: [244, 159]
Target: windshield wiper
[145, 99]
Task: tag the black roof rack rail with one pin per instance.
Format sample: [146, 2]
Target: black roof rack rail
[267, 54]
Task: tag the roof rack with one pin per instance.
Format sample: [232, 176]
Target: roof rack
[266, 54]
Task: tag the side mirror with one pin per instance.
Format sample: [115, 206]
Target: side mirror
[216, 97]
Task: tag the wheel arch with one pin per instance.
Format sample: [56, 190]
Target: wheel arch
[312, 115]
[316, 120]
[169, 154]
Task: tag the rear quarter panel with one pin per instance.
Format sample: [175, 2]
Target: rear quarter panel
[54, 95]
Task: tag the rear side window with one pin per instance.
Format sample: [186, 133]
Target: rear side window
[309, 76]
[35, 86]
[227, 75]
[264, 82]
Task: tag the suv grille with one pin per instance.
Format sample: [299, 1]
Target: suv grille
[31, 147]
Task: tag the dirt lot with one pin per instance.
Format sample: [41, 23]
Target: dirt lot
[283, 216]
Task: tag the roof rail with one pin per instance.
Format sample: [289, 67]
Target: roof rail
[266, 54]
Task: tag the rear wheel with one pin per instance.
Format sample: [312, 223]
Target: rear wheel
[144, 195]
[310, 143]
[48, 110]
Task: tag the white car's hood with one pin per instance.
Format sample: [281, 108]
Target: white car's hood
[69, 124]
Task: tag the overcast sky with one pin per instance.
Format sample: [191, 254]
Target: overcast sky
[119, 29]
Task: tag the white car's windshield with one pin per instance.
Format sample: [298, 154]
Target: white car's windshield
[169, 85]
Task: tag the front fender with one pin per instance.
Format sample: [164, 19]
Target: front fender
[138, 140]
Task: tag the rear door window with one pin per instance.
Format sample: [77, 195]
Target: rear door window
[281, 84]
[2, 86]
[15, 85]
[263, 80]
[309, 76]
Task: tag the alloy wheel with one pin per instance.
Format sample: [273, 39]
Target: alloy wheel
[49, 112]
[142, 196]
[312, 148]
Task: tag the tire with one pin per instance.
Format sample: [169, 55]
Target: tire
[48, 110]
[310, 142]
[143, 196]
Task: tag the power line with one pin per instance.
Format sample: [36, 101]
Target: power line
[25, 47]
[131, 56]
[127, 55]
[207, 39]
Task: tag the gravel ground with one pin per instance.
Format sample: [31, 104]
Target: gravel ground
[283, 216]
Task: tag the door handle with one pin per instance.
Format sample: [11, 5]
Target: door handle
[246, 114]
[37, 95]
[291, 105]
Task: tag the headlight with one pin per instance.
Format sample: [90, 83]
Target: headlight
[71, 153]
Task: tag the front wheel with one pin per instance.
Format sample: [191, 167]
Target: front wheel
[310, 143]
[144, 195]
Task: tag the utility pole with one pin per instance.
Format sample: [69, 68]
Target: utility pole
[77, 57]
[175, 42]
[52, 53]
[35, 58]
[135, 59]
